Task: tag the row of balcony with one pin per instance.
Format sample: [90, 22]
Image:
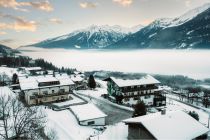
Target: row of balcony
[52, 94]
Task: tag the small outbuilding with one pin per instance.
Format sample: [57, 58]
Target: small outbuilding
[176, 125]
[88, 114]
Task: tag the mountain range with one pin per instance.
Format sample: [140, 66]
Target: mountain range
[191, 30]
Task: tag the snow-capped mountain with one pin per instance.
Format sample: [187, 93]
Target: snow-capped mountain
[189, 15]
[91, 37]
[170, 22]
[191, 30]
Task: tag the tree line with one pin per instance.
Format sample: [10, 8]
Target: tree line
[22, 61]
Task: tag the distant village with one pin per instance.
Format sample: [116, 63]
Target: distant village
[143, 108]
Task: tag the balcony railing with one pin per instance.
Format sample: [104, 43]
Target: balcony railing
[139, 89]
[53, 94]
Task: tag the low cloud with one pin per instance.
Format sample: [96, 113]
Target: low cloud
[124, 3]
[24, 25]
[88, 5]
[19, 24]
[55, 20]
[44, 5]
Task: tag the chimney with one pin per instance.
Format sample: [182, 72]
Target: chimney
[163, 111]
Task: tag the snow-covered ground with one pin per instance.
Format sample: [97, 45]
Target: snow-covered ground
[175, 105]
[114, 132]
[75, 100]
[7, 71]
[66, 126]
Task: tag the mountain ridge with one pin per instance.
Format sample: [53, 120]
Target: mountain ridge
[189, 30]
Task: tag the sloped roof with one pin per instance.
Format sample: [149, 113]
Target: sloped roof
[143, 81]
[31, 82]
[173, 125]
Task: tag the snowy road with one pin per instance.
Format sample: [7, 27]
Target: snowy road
[115, 114]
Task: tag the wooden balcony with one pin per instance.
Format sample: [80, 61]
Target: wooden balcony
[138, 89]
[53, 94]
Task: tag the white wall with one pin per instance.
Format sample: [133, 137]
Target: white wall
[31, 92]
[98, 121]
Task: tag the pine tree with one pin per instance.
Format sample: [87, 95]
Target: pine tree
[14, 78]
[194, 115]
[139, 109]
[91, 82]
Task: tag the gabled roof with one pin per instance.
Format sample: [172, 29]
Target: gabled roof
[76, 78]
[143, 81]
[32, 68]
[31, 82]
[176, 125]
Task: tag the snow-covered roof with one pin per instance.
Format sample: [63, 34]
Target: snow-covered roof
[32, 68]
[87, 112]
[28, 83]
[143, 81]
[76, 78]
[31, 82]
[46, 78]
[64, 79]
[173, 125]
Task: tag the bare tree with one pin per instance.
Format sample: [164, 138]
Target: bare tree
[5, 126]
[24, 122]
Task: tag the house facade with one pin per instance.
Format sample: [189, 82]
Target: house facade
[89, 114]
[131, 91]
[46, 88]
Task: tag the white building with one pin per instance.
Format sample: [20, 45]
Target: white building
[79, 81]
[88, 114]
[172, 125]
[46, 88]
[131, 91]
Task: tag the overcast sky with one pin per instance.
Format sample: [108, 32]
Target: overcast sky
[28, 21]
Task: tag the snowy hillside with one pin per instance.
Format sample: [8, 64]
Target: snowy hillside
[189, 15]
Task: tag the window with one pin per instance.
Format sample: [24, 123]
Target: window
[91, 122]
[32, 97]
[62, 90]
[126, 99]
[35, 93]
[136, 98]
[45, 92]
[147, 96]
